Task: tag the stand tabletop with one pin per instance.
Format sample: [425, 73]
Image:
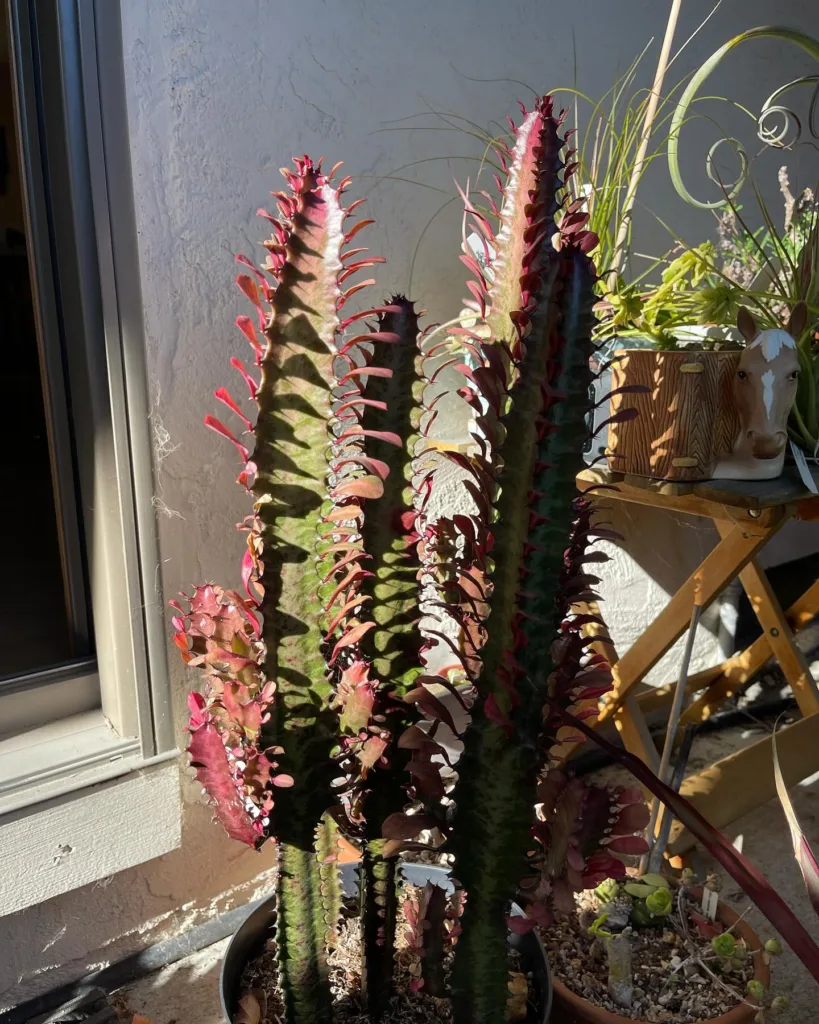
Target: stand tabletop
[708, 497]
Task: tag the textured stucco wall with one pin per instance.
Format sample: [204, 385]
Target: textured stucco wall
[220, 95]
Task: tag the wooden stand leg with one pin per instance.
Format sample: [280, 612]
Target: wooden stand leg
[721, 566]
[630, 721]
[633, 728]
[778, 633]
[727, 678]
[744, 780]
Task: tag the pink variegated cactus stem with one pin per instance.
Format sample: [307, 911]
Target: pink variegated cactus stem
[327, 708]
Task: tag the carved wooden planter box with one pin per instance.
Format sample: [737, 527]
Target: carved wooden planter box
[687, 420]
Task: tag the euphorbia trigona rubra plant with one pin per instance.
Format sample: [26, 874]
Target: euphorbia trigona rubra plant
[324, 709]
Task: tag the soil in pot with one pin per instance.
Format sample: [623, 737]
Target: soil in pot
[677, 977]
[259, 982]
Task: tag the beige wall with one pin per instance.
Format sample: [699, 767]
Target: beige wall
[219, 98]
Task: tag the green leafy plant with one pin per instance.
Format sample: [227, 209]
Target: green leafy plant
[772, 269]
[724, 945]
[783, 264]
[658, 312]
[756, 990]
[769, 269]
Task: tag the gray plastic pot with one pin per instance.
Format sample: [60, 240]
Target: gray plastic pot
[250, 937]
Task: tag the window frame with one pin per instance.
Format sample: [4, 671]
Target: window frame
[76, 170]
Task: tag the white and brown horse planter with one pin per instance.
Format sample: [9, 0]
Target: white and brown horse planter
[763, 392]
[708, 415]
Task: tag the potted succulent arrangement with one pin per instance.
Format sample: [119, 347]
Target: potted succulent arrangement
[771, 269]
[683, 369]
[647, 949]
[688, 424]
[691, 414]
[402, 677]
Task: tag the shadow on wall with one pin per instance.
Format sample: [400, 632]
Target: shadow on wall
[657, 552]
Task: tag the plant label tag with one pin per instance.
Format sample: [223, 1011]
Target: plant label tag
[804, 468]
[483, 253]
[710, 901]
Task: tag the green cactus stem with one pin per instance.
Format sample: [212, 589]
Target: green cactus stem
[541, 407]
[332, 896]
[390, 538]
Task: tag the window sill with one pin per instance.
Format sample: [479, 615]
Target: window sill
[76, 801]
[48, 761]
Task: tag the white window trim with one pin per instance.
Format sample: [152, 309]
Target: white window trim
[79, 758]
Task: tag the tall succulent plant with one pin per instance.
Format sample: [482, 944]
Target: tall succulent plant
[323, 708]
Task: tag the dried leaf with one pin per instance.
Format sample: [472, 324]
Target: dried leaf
[519, 994]
[250, 1010]
[805, 856]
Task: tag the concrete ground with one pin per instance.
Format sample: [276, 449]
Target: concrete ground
[188, 992]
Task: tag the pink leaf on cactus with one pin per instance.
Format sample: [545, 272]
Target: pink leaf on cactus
[356, 695]
[245, 325]
[210, 759]
[430, 705]
[351, 638]
[220, 428]
[519, 925]
[634, 845]
[633, 818]
[380, 435]
[225, 398]
[360, 487]
[248, 570]
[252, 386]
[196, 705]
[356, 228]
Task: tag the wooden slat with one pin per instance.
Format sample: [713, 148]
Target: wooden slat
[633, 728]
[804, 610]
[710, 579]
[757, 495]
[653, 698]
[739, 669]
[769, 612]
[744, 781]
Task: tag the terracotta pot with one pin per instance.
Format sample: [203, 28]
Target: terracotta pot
[687, 420]
[573, 1009]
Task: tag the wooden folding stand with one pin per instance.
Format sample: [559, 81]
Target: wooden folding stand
[747, 516]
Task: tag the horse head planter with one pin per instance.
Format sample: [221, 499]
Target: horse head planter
[763, 392]
[718, 415]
